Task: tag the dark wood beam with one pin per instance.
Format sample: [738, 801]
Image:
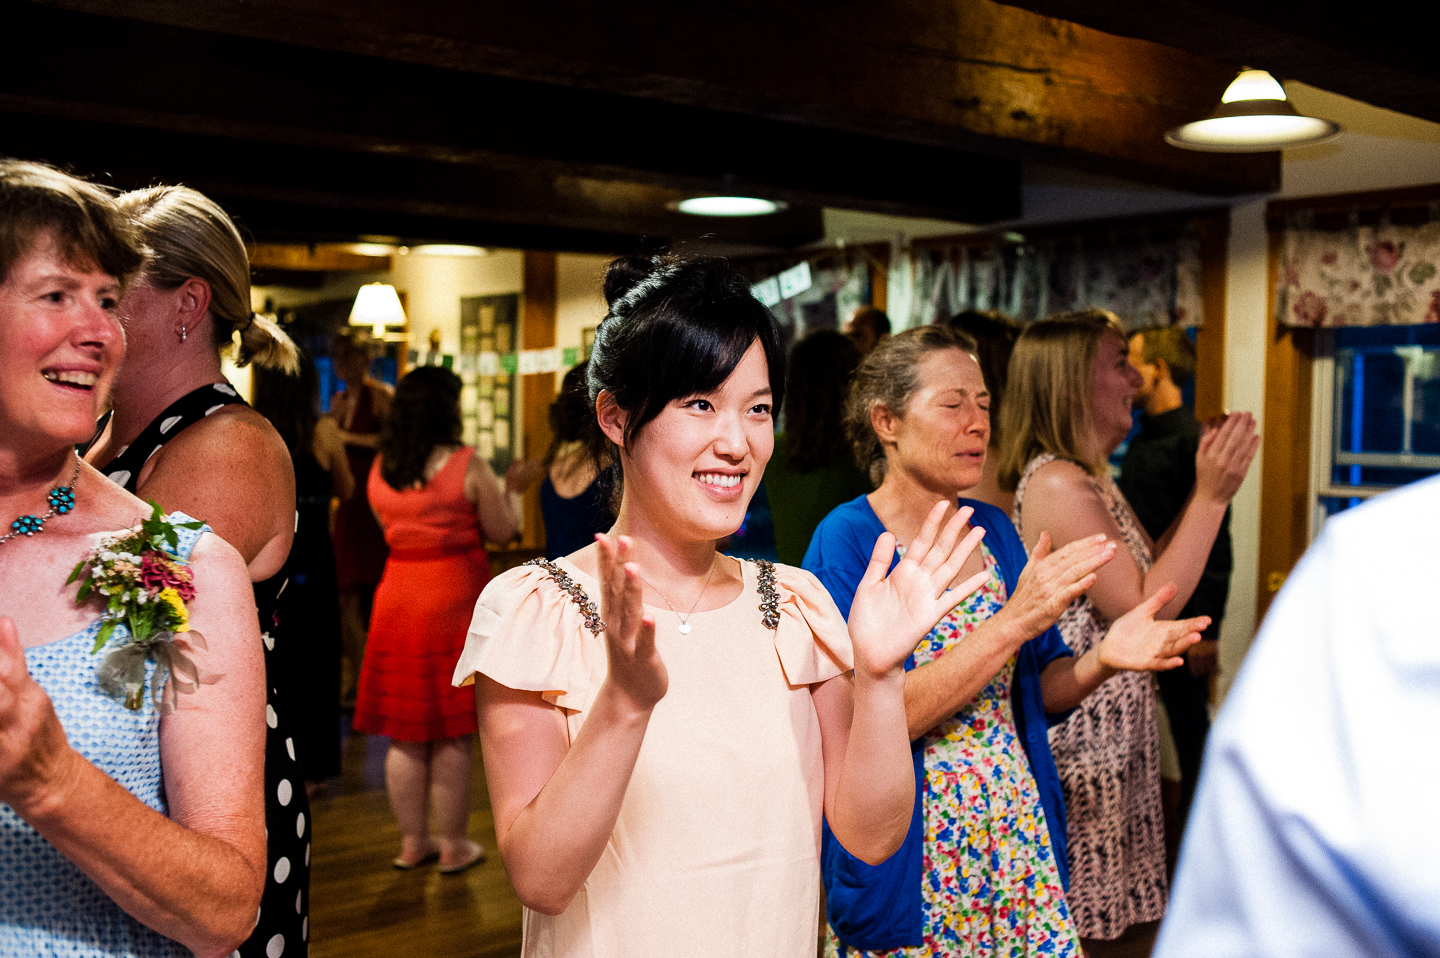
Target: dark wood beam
[1386, 59]
[316, 195]
[176, 80]
[966, 77]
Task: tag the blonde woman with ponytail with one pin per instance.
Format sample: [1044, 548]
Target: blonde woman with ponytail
[180, 435]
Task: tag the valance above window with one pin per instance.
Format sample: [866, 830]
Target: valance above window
[1383, 275]
[1146, 280]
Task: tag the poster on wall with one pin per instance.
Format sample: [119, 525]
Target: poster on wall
[488, 326]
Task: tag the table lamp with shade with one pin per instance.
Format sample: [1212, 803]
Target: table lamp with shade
[377, 305]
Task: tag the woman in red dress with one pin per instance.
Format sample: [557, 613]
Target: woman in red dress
[438, 502]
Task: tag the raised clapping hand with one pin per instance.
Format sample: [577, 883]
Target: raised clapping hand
[32, 743]
[1136, 642]
[1052, 580]
[891, 614]
[1227, 446]
[635, 668]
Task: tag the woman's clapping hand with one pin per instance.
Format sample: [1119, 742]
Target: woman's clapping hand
[892, 613]
[1227, 447]
[32, 743]
[636, 669]
[1136, 642]
[1052, 580]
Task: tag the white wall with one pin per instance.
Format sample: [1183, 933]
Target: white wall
[580, 302]
[434, 285]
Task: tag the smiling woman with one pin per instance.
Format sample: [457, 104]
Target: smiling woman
[1071, 391]
[663, 725]
[128, 826]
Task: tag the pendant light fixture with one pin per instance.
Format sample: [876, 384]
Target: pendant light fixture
[1254, 116]
[728, 206]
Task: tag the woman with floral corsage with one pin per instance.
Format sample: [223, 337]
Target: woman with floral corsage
[132, 821]
[663, 725]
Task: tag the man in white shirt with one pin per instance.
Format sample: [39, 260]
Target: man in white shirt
[1316, 829]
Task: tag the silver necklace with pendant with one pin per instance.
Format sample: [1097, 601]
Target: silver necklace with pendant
[685, 619]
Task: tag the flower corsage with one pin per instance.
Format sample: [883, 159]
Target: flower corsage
[145, 586]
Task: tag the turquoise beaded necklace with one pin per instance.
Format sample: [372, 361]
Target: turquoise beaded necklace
[61, 501]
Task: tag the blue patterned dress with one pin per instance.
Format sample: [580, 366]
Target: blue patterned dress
[48, 906]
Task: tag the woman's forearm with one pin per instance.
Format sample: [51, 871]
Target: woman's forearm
[940, 688]
[1182, 562]
[554, 843]
[199, 885]
[1067, 680]
[875, 793]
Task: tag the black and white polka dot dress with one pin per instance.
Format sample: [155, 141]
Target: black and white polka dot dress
[283, 925]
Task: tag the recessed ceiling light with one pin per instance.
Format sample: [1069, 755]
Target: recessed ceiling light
[371, 249]
[447, 249]
[728, 206]
[1253, 117]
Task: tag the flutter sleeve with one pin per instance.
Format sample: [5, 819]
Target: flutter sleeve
[812, 639]
[529, 633]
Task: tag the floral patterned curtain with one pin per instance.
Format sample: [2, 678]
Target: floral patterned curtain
[1145, 282]
[1365, 276]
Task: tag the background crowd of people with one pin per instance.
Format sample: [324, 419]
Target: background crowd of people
[940, 699]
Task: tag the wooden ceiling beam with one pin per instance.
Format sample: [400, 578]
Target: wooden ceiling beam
[965, 76]
[316, 195]
[1386, 60]
[173, 79]
[294, 257]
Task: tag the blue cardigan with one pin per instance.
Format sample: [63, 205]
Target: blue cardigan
[878, 907]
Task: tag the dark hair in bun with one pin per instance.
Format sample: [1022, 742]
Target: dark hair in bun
[622, 275]
[677, 328]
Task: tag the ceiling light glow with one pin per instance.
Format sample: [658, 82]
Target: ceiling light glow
[1253, 85]
[728, 206]
[1253, 117]
[447, 249]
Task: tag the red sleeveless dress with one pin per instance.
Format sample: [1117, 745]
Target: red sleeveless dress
[423, 606]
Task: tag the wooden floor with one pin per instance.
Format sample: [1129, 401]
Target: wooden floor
[361, 906]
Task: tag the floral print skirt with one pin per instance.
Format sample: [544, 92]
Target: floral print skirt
[990, 885]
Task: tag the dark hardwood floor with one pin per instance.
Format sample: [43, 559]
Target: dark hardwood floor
[361, 906]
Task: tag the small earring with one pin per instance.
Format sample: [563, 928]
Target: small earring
[182, 334]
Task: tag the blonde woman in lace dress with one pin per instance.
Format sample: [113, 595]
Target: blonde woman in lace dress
[1072, 387]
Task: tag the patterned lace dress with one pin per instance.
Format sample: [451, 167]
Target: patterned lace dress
[48, 906]
[1108, 756]
[991, 884]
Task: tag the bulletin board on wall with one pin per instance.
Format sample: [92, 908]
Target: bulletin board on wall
[489, 402]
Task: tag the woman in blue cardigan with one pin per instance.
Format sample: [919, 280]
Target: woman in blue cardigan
[983, 869]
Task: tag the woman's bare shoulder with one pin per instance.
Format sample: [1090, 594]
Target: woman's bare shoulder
[1061, 477]
[233, 433]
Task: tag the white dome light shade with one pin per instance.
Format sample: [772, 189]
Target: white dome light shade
[1253, 117]
[1252, 134]
[447, 249]
[1253, 85]
[728, 206]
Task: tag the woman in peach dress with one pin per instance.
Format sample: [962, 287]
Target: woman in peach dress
[662, 725]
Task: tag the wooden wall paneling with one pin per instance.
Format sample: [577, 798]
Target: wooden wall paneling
[1285, 454]
[880, 280]
[538, 314]
[1210, 339]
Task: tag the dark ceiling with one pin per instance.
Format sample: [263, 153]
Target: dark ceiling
[571, 125]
